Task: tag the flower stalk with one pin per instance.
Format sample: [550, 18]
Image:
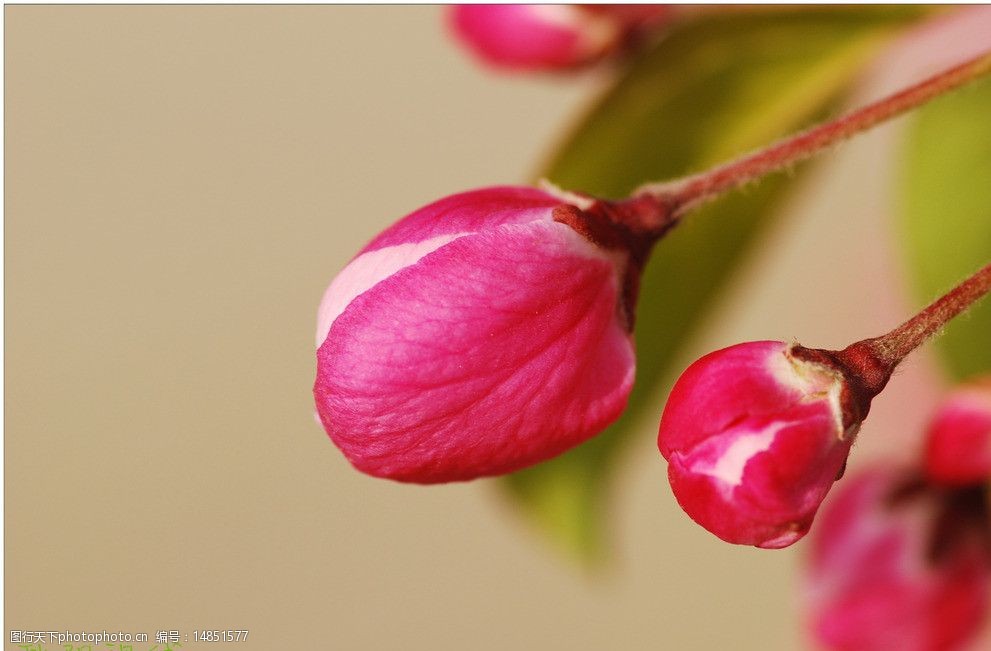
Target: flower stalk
[868, 364]
[672, 199]
[892, 348]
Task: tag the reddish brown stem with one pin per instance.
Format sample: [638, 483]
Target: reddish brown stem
[868, 364]
[683, 194]
[892, 348]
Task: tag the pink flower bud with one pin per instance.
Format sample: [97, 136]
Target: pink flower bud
[958, 445]
[755, 436]
[476, 336]
[536, 37]
[895, 564]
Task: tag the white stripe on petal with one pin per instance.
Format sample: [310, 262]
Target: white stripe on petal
[814, 381]
[729, 466]
[368, 270]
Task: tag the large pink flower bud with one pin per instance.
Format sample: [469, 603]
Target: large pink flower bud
[755, 435]
[548, 37]
[958, 444]
[896, 564]
[481, 334]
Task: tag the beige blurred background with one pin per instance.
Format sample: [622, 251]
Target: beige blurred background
[181, 184]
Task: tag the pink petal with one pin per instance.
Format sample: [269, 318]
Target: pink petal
[468, 212]
[534, 37]
[872, 583]
[754, 440]
[958, 443]
[491, 353]
[424, 231]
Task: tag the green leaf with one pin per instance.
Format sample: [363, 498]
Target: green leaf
[715, 88]
[945, 190]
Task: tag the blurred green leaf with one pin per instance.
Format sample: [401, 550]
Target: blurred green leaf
[945, 187]
[713, 89]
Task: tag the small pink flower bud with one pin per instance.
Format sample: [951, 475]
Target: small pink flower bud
[958, 443]
[537, 37]
[897, 564]
[755, 435]
[481, 334]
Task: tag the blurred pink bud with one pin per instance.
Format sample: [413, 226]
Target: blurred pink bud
[897, 565]
[754, 437]
[548, 37]
[476, 336]
[958, 445]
